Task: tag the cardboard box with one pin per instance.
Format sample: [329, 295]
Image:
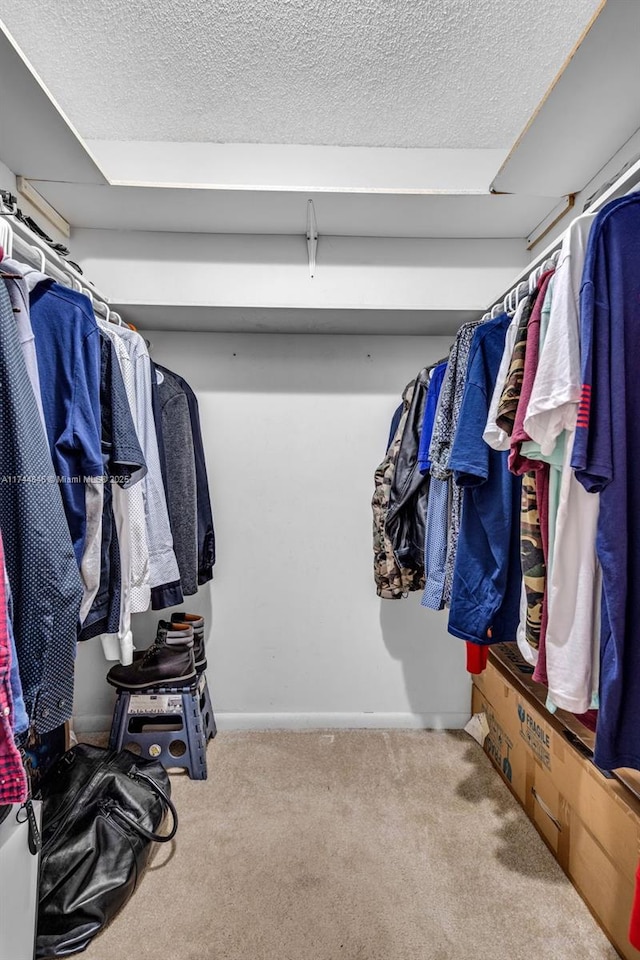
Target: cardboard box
[588, 819]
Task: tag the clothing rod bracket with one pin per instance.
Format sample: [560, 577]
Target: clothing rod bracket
[312, 237]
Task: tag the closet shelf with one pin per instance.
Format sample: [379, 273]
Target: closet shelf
[213, 319]
[192, 209]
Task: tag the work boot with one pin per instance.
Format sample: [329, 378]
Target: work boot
[167, 663]
[197, 622]
[199, 653]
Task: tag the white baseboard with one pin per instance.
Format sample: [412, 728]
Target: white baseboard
[341, 721]
[309, 721]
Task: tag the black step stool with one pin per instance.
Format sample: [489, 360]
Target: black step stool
[169, 724]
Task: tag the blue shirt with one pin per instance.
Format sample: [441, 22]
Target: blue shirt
[431, 406]
[43, 573]
[485, 593]
[68, 352]
[606, 459]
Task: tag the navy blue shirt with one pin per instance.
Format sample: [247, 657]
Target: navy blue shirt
[435, 385]
[606, 457]
[123, 460]
[206, 534]
[43, 573]
[68, 352]
[485, 593]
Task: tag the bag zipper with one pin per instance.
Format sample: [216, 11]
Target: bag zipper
[82, 794]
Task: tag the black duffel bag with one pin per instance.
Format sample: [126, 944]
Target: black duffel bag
[102, 809]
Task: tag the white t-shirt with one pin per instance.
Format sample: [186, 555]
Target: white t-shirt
[573, 586]
[556, 390]
[494, 435]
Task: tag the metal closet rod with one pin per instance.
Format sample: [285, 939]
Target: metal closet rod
[526, 280]
[19, 241]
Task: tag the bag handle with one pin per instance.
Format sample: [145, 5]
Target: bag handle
[148, 834]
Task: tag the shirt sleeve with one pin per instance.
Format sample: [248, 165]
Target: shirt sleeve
[470, 454]
[126, 461]
[164, 575]
[86, 427]
[556, 391]
[592, 457]
[508, 403]
[495, 436]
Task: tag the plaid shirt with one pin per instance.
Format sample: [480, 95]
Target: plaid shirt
[13, 780]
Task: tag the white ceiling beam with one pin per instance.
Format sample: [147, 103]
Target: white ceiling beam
[590, 111]
[37, 140]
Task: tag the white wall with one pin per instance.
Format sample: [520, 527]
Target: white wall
[294, 427]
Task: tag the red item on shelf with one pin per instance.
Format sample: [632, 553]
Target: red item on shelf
[634, 921]
[477, 657]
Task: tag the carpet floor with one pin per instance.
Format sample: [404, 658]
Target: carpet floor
[351, 845]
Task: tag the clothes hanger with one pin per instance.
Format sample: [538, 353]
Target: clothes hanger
[6, 237]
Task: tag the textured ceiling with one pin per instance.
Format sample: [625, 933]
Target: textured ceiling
[414, 73]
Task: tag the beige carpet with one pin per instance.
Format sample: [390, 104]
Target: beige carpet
[363, 845]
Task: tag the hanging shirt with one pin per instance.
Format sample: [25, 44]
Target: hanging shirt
[13, 780]
[43, 572]
[20, 720]
[206, 535]
[68, 352]
[124, 467]
[431, 406]
[444, 430]
[392, 581]
[128, 505]
[181, 478]
[437, 519]
[556, 391]
[531, 450]
[573, 591]
[18, 290]
[494, 435]
[605, 460]
[508, 404]
[485, 595]
[451, 392]
[435, 547]
[518, 463]
[164, 576]
[535, 485]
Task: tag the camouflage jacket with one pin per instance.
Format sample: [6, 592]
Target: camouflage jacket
[392, 581]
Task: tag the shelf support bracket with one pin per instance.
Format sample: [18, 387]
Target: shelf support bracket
[312, 238]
